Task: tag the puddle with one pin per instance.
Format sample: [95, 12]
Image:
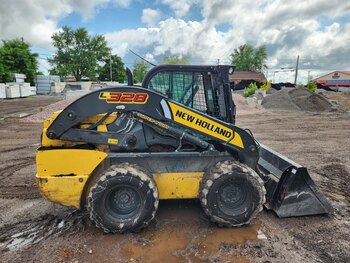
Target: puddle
[182, 233]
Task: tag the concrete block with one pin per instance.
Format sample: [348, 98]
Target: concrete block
[2, 91]
[18, 75]
[13, 91]
[58, 87]
[32, 90]
[24, 90]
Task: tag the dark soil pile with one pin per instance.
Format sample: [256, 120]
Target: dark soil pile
[296, 99]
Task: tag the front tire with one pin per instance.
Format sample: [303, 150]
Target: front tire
[124, 199]
[232, 194]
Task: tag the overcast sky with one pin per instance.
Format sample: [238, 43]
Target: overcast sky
[205, 31]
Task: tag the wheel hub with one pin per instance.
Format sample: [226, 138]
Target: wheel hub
[123, 202]
[231, 197]
[125, 198]
[230, 194]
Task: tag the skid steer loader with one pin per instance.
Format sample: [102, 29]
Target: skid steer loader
[118, 151]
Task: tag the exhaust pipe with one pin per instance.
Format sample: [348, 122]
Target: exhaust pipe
[290, 189]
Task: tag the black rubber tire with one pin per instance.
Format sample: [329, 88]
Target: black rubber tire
[124, 199]
[232, 194]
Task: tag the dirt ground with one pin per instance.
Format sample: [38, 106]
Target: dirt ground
[35, 230]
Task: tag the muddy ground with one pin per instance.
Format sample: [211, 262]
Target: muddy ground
[35, 230]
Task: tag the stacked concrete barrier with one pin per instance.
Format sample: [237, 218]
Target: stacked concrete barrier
[44, 83]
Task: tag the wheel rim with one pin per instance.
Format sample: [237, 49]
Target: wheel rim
[231, 197]
[123, 202]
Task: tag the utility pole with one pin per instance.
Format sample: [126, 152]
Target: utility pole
[296, 71]
[218, 61]
[110, 67]
[308, 75]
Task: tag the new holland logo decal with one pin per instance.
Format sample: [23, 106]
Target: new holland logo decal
[205, 125]
[124, 97]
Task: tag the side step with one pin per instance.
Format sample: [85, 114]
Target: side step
[290, 189]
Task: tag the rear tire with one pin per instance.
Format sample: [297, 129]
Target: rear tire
[124, 199]
[232, 194]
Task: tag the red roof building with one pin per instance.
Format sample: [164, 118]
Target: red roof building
[335, 79]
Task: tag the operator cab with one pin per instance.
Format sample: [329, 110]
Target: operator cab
[203, 88]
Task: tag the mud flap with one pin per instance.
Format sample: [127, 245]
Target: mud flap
[290, 189]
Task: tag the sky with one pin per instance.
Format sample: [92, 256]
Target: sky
[207, 31]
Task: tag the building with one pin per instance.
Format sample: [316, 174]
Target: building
[238, 76]
[335, 79]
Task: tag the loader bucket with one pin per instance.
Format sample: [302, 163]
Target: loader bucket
[290, 189]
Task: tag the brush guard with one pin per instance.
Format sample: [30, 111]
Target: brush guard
[290, 189]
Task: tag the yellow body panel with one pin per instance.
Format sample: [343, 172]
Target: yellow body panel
[64, 190]
[68, 161]
[178, 185]
[63, 173]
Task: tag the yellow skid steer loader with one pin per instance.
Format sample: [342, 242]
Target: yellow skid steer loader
[119, 150]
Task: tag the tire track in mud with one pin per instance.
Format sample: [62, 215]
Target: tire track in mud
[337, 178]
[10, 187]
[24, 234]
[14, 166]
[15, 149]
[19, 192]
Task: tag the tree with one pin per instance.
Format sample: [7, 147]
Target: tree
[16, 57]
[140, 70]
[248, 58]
[118, 71]
[175, 60]
[78, 54]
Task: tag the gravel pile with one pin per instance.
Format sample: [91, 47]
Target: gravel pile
[296, 99]
[46, 112]
[245, 106]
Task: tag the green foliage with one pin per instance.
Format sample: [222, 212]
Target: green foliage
[140, 70]
[16, 57]
[311, 86]
[300, 86]
[78, 54]
[266, 85]
[250, 90]
[175, 60]
[118, 71]
[247, 58]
